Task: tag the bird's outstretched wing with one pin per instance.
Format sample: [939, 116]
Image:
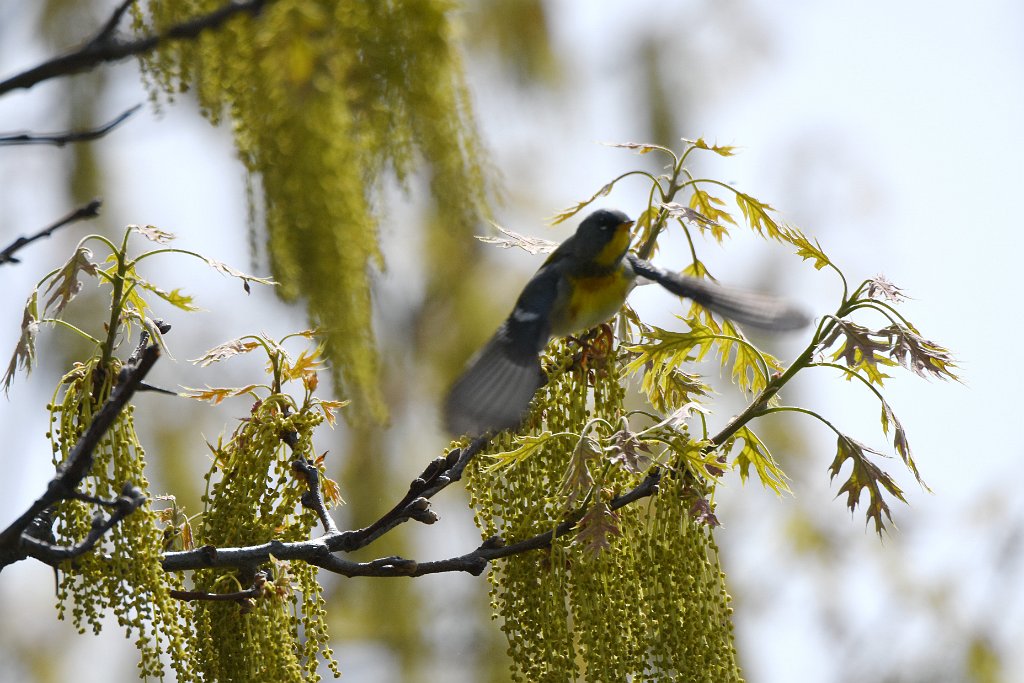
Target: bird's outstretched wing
[494, 391]
[742, 306]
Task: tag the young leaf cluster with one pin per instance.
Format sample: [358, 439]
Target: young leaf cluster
[122, 574]
[129, 307]
[862, 353]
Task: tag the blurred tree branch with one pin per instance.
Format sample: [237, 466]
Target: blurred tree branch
[90, 210]
[106, 46]
[64, 138]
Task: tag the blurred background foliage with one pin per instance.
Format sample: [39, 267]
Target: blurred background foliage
[816, 596]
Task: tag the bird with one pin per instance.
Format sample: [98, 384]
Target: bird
[582, 284]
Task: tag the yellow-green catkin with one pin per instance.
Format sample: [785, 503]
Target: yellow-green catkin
[253, 496]
[122, 573]
[326, 100]
[651, 605]
[688, 610]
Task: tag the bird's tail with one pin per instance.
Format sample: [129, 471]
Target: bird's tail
[738, 305]
[494, 391]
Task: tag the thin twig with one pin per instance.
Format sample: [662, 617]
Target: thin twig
[61, 139]
[259, 581]
[113, 21]
[107, 47]
[130, 500]
[93, 500]
[90, 210]
[313, 498]
[439, 474]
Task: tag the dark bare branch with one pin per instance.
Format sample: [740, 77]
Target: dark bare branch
[90, 210]
[113, 21]
[439, 474]
[61, 139]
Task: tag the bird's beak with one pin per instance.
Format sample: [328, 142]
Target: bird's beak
[626, 225]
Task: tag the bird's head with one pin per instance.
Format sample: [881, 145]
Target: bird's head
[603, 237]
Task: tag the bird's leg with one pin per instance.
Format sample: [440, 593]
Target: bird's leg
[596, 346]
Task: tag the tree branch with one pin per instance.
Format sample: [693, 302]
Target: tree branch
[246, 599]
[320, 551]
[61, 139]
[130, 500]
[439, 474]
[107, 47]
[113, 20]
[21, 539]
[16, 543]
[761, 400]
[90, 210]
[491, 549]
[312, 498]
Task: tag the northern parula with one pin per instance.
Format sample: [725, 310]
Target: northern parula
[583, 283]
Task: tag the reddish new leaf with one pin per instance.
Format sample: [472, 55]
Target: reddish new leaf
[864, 476]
